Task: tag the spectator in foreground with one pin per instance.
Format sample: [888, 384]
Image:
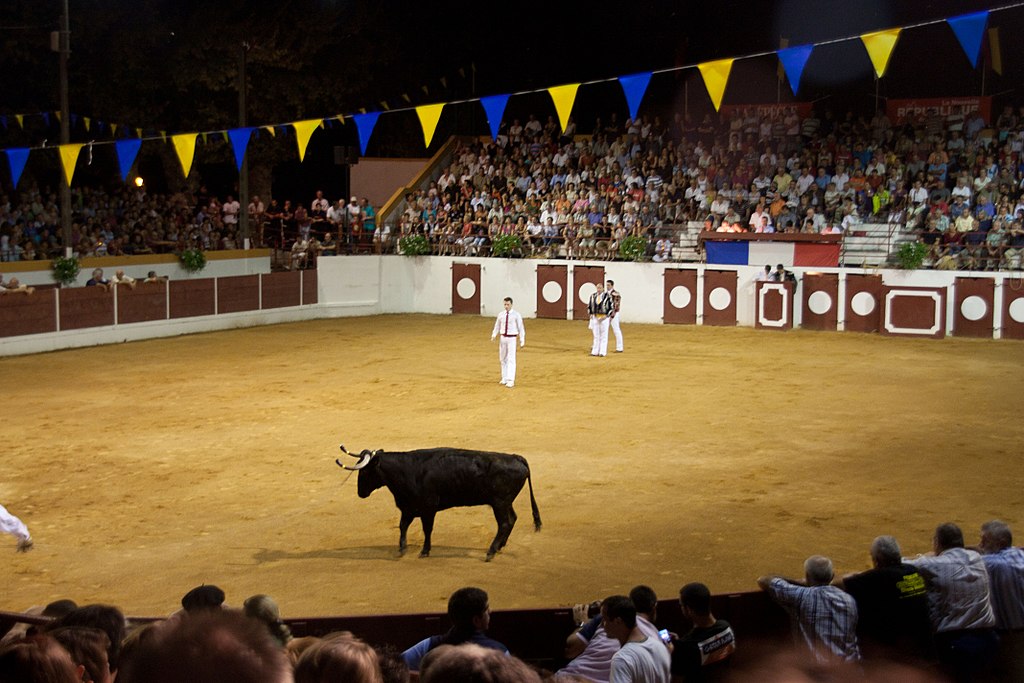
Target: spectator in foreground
[958, 598]
[704, 653]
[265, 610]
[1005, 566]
[892, 606]
[470, 614]
[338, 658]
[642, 658]
[471, 663]
[826, 617]
[37, 659]
[208, 647]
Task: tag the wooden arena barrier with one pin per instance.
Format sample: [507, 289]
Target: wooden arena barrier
[582, 276]
[280, 290]
[720, 298]
[773, 306]
[1013, 308]
[82, 307]
[192, 298]
[237, 294]
[147, 301]
[552, 291]
[309, 285]
[974, 307]
[821, 301]
[34, 313]
[914, 312]
[680, 297]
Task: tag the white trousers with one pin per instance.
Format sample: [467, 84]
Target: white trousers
[507, 356]
[9, 524]
[618, 332]
[600, 328]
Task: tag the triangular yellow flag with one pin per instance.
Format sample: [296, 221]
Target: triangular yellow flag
[880, 46]
[564, 96]
[303, 131]
[429, 115]
[716, 75]
[224, 134]
[57, 114]
[270, 129]
[88, 123]
[163, 135]
[20, 119]
[340, 118]
[69, 158]
[138, 132]
[113, 130]
[185, 146]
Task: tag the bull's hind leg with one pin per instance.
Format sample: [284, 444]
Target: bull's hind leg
[427, 519]
[403, 527]
[505, 516]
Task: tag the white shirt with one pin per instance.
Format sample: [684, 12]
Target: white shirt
[958, 595]
[510, 324]
[646, 661]
[9, 524]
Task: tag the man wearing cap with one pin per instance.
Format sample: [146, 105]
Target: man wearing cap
[203, 598]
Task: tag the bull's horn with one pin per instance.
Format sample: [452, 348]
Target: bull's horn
[342, 447]
[364, 459]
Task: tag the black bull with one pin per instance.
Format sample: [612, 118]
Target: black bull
[431, 479]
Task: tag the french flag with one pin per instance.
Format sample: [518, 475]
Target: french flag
[800, 254]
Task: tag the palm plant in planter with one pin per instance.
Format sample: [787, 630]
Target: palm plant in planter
[911, 255]
[66, 269]
[192, 260]
[506, 245]
[414, 245]
[633, 248]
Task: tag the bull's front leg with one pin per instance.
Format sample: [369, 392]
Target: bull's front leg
[403, 527]
[427, 520]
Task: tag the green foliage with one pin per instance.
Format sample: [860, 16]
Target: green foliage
[414, 245]
[633, 248]
[66, 269]
[192, 260]
[506, 245]
[911, 255]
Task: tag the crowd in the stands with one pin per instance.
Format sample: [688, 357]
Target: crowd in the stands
[955, 613]
[955, 181]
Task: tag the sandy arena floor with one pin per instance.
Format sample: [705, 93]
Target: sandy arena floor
[708, 454]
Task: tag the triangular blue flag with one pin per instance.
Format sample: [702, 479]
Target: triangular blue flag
[3, 122]
[239, 142]
[494, 107]
[17, 158]
[74, 120]
[100, 126]
[127, 150]
[634, 86]
[794, 59]
[969, 29]
[365, 124]
[46, 119]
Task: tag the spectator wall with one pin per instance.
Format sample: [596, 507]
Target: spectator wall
[932, 304]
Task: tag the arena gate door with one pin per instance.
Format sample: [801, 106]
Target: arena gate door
[680, 304]
[773, 306]
[466, 288]
[584, 282]
[821, 301]
[720, 298]
[863, 303]
[973, 307]
[1013, 308]
[552, 292]
[914, 312]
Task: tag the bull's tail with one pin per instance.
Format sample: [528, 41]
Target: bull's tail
[533, 501]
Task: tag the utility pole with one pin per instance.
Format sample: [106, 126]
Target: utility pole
[243, 173]
[64, 48]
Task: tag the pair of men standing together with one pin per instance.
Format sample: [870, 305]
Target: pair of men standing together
[604, 307]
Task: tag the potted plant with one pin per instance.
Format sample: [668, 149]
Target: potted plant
[192, 260]
[414, 245]
[66, 269]
[633, 248]
[910, 255]
[506, 245]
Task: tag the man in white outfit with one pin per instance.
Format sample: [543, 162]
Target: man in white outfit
[509, 325]
[9, 524]
[600, 307]
[615, 315]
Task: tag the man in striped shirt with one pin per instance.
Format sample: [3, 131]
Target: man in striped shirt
[958, 599]
[825, 615]
[1005, 566]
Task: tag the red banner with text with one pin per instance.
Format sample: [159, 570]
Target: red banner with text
[899, 111]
